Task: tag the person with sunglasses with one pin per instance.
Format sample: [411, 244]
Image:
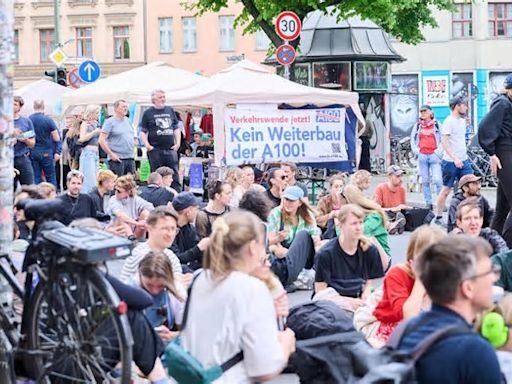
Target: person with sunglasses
[458, 276]
[77, 205]
[276, 185]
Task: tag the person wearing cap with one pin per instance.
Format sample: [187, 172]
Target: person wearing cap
[186, 245]
[469, 186]
[455, 162]
[469, 221]
[426, 144]
[294, 226]
[495, 137]
[390, 195]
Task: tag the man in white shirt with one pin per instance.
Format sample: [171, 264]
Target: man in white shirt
[455, 162]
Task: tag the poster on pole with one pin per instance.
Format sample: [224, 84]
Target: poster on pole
[435, 91]
[308, 135]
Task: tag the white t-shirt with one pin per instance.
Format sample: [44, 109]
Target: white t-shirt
[227, 317]
[455, 128]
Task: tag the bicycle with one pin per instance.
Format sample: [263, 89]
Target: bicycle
[482, 166]
[73, 327]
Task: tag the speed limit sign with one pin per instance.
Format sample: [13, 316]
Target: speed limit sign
[288, 25]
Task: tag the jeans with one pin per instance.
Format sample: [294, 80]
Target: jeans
[502, 220]
[165, 158]
[89, 166]
[24, 166]
[430, 171]
[123, 167]
[42, 160]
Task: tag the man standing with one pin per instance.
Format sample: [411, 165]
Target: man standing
[116, 139]
[458, 276]
[47, 134]
[24, 139]
[455, 162]
[77, 205]
[154, 192]
[469, 186]
[160, 134]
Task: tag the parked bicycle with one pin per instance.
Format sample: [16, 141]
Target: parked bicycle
[401, 152]
[73, 327]
[482, 166]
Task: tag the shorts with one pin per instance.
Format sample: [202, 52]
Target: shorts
[451, 174]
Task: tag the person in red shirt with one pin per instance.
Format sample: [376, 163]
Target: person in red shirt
[426, 143]
[403, 295]
[390, 195]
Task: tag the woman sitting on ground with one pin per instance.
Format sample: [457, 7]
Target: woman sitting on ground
[293, 236]
[329, 205]
[361, 179]
[403, 295]
[219, 197]
[238, 307]
[157, 278]
[234, 177]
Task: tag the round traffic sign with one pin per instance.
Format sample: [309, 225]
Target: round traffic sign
[288, 25]
[74, 79]
[285, 54]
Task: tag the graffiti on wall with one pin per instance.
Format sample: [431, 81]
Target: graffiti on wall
[403, 104]
[372, 106]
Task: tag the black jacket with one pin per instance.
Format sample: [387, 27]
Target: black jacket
[495, 129]
[185, 247]
[78, 208]
[156, 195]
[454, 203]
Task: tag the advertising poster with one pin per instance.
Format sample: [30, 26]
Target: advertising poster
[435, 91]
[403, 104]
[371, 76]
[311, 135]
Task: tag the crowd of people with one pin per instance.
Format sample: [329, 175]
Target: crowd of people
[254, 242]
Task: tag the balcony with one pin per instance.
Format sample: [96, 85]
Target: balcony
[78, 3]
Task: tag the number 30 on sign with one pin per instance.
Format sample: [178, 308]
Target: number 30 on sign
[288, 25]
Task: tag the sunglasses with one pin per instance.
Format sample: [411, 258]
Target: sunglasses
[119, 190]
[284, 177]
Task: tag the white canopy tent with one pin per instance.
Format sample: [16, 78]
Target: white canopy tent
[134, 85]
[250, 83]
[48, 91]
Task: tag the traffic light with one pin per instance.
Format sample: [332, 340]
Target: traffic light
[62, 77]
[50, 74]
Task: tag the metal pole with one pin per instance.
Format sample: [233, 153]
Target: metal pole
[6, 123]
[56, 23]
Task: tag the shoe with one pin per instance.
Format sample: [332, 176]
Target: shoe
[430, 207]
[397, 227]
[439, 222]
[306, 280]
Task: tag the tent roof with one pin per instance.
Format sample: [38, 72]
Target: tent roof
[43, 89]
[247, 82]
[134, 85]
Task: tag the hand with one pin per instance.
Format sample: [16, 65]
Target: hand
[354, 302]
[56, 157]
[459, 164]
[141, 223]
[333, 214]
[175, 147]
[287, 339]
[281, 235]
[165, 333]
[186, 278]
[495, 164]
[115, 157]
[203, 244]
[149, 148]
[97, 131]
[281, 305]
[280, 251]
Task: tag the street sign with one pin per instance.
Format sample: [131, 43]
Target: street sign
[285, 54]
[288, 25]
[58, 57]
[74, 79]
[89, 71]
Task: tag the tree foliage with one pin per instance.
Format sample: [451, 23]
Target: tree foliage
[402, 19]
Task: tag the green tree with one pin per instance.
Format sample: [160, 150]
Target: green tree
[402, 19]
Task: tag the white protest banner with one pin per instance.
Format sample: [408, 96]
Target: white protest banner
[435, 91]
[307, 135]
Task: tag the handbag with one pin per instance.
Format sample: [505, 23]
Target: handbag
[185, 368]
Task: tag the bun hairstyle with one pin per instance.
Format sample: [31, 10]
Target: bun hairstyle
[230, 233]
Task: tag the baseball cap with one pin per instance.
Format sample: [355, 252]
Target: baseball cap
[467, 179]
[184, 200]
[425, 107]
[293, 193]
[508, 82]
[395, 170]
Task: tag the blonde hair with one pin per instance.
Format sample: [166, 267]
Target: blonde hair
[46, 189]
[353, 195]
[508, 93]
[127, 183]
[421, 238]
[335, 177]
[90, 109]
[74, 131]
[233, 176]
[305, 211]
[358, 212]
[230, 233]
[104, 175]
[359, 177]
[157, 264]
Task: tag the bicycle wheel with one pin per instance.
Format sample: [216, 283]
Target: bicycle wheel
[75, 332]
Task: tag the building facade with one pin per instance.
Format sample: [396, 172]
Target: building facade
[111, 32]
[469, 54]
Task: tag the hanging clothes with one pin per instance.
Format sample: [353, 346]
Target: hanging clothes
[207, 123]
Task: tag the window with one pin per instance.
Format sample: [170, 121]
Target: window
[262, 41]
[189, 34]
[500, 19]
[16, 42]
[121, 43]
[46, 44]
[462, 21]
[165, 34]
[226, 33]
[83, 38]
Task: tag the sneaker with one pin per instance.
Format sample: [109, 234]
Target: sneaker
[397, 227]
[306, 280]
[439, 222]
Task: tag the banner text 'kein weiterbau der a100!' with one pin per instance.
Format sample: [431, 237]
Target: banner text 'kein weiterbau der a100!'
[312, 135]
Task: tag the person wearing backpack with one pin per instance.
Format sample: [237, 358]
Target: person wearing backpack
[458, 276]
[426, 144]
[229, 311]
